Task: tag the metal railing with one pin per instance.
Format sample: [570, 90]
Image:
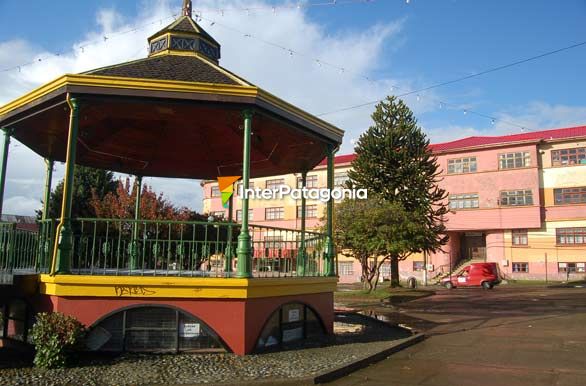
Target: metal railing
[159, 247]
[18, 249]
[173, 248]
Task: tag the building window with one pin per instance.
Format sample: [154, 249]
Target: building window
[516, 197]
[240, 185]
[310, 182]
[310, 211]
[345, 268]
[274, 242]
[219, 214]
[521, 267]
[514, 160]
[570, 196]
[462, 165]
[385, 270]
[215, 191]
[519, 236]
[274, 213]
[239, 215]
[571, 267]
[463, 201]
[570, 236]
[275, 184]
[418, 266]
[565, 157]
[340, 179]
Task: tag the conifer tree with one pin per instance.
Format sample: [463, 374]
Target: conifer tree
[394, 162]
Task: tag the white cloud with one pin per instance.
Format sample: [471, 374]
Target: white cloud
[296, 78]
[21, 205]
[539, 115]
[534, 116]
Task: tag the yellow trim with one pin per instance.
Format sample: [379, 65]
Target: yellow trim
[165, 85]
[66, 188]
[217, 67]
[181, 287]
[128, 83]
[275, 101]
[169, 51]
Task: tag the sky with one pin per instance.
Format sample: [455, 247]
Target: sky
[322, 58]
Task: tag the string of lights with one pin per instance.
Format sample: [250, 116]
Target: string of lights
[275, 8]
[198, 17]
[323, 63]
[460, 79]
[341, 69]
[81, 48]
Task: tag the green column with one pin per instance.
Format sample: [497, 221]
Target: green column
[244, 250]
[301, 256]
[134, 245]
[7, 134]
[228, 252]
[330, 252]
[45, 230]
[64, 251]
[48, 181]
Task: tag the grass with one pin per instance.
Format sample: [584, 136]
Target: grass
[382, 293]
[379, 293]
[531, 282]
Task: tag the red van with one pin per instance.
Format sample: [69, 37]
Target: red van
[486, 275]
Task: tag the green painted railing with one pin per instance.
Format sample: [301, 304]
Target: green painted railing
[18, 249]
[169, 248]
[173, 248]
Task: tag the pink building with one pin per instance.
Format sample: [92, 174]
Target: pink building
[518, 200]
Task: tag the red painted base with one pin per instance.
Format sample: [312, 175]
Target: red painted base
[238, 322]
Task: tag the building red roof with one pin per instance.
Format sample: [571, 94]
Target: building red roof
[570, 132]
[468, 142]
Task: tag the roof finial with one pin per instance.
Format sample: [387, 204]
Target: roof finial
[187, 8]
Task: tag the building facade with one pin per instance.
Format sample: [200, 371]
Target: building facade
[517, 200]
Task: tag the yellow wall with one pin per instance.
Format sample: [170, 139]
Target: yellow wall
[542, 241]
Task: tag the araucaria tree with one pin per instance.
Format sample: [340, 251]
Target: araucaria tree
[394, 162]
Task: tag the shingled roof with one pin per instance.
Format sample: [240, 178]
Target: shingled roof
[171, 67]
[188, 25]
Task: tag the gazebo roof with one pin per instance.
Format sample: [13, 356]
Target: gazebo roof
[172, 67]
[176, 113]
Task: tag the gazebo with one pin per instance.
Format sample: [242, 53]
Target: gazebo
[143, 285]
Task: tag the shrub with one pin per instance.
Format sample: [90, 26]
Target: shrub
[55, 336]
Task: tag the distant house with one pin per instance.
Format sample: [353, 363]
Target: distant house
[27, 223]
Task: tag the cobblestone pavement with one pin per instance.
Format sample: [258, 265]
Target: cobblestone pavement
[509, 336]
[356, 337]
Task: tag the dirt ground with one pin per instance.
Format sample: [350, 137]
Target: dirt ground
[511, 335]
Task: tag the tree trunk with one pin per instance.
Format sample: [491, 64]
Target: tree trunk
[369, 285]
[365, 281]
[376, 278]
[395, 272]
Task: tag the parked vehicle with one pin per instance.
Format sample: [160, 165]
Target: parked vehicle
[485, 275]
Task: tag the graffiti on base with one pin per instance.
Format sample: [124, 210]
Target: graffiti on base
[132, 290]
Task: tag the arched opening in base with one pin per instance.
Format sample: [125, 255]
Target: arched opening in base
[153, 329]
[291, 322]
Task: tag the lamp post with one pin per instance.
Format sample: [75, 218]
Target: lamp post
[244, 250]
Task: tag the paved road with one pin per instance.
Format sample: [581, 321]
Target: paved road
[509, 336]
